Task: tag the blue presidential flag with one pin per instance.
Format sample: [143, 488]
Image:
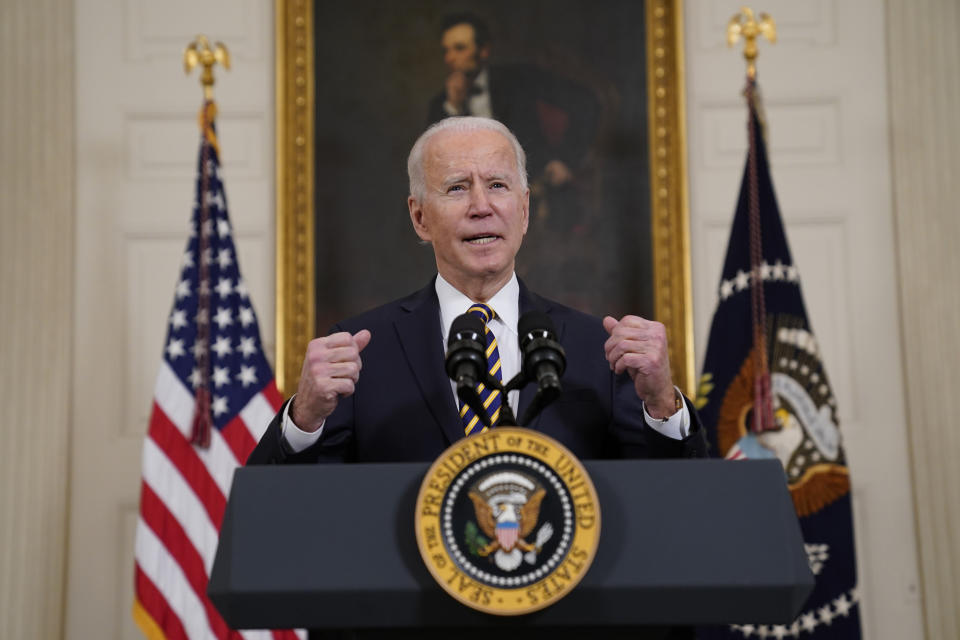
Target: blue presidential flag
[764, 393]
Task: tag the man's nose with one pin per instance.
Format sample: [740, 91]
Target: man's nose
[480, 202]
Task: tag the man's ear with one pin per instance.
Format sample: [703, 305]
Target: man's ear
[417, 218]
[483, 53]
[526, 210]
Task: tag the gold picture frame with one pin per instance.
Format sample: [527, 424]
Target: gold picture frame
[295, 156]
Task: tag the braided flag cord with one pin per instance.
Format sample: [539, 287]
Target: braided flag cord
[763, 401]
[214, 397]
[491, 397]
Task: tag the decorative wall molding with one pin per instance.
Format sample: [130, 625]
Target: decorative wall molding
[162, 29]
[155, 145]
[142, 341]
[807, 133]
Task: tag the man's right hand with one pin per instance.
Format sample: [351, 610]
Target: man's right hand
[331, 368]
[457, 86]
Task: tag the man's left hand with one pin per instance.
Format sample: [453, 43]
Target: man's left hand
[639, 347]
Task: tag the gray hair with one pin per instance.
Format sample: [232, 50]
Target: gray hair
[462, 124]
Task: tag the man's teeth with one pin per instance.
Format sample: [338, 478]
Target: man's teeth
[481, 240]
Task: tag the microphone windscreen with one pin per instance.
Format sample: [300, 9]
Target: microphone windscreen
[466, 324]
[535, 321]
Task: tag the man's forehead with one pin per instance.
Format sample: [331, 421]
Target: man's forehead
[459, 32]
[449, 150]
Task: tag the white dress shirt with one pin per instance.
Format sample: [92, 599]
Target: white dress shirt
[506, 304]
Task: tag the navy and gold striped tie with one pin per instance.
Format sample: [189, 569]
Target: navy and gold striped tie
[491, 397]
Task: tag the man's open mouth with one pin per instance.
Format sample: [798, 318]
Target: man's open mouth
[481, 239]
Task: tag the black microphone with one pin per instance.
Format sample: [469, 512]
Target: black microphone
[466, 361]
[544, 360]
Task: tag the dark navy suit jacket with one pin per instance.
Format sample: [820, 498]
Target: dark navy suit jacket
[404, 409]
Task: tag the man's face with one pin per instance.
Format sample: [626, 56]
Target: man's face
[460, 51]
[474, 211]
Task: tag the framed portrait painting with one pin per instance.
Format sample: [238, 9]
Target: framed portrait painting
[593, 91]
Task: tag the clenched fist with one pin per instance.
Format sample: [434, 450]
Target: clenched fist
[331, 368]
[639, 347]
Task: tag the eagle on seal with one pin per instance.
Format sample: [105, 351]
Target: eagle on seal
[507, 523]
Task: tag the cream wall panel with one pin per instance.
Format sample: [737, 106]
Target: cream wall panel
[824, 87]
[805, 134]
[924, 99]
[148, 278]
[247, 201]
[153, 29]
[36, 316]
[155, 143]
[137, 148]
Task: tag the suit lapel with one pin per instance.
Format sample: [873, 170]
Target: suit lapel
[422, 342]
[530, 301]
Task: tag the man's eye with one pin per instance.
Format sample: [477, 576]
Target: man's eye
[456, 187]
[498, 185]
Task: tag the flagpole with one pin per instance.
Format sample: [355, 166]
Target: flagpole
[197, 53]
[746, 25]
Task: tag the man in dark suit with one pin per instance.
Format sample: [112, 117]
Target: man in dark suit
[375, 389]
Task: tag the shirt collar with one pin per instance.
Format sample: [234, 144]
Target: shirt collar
[480, 81]
[506, 304]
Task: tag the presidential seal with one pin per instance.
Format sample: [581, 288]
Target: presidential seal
[507, 521]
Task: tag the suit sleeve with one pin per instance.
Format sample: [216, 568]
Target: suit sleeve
[335, 445]
[636, 439]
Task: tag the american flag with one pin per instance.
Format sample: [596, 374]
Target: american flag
[213, 367]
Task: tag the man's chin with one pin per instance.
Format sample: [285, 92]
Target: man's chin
[489, 265]
[484, 273]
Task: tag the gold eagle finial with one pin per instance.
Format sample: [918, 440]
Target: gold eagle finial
[746, 25]
[199, 52]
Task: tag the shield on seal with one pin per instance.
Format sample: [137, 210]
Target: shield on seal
[507, 534]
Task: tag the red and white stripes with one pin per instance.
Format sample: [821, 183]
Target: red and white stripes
[183, 497]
